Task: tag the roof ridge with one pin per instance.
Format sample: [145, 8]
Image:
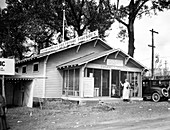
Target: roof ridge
[61, 49]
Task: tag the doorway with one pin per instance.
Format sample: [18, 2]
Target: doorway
[101, 80]
[105, 83]
[115, 85]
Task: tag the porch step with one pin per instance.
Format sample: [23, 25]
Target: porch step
[96, 100]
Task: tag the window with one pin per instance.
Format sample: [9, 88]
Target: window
[35, 67]
[71, 82]
[24, 69]
[155, 83]
[16, 69]
[145, 83]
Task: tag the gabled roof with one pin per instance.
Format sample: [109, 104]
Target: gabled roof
[93, 56]
[63, 49]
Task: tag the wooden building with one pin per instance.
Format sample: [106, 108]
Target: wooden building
[82, 67]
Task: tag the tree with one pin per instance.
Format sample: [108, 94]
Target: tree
[10, 33]
[87, 14]
[127, 15]
[25, 19]
[39, 20]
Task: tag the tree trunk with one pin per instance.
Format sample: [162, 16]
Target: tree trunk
[131, 46]
[80, 32]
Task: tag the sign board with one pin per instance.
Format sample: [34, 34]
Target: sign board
[88, 85]
[70, 42]
[7, 66]
[114, 62]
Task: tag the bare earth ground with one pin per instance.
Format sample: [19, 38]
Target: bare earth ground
[57, 115]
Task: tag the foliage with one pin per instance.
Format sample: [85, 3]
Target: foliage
[40, 20]
[11, 32]
[84, 14]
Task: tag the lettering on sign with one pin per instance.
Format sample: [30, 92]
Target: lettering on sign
[7, 66]
[70, 42]
[2, 65]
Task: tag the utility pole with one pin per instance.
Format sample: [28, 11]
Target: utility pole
[64, 18]
[152, 67]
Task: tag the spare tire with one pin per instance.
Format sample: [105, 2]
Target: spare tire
[165, 92]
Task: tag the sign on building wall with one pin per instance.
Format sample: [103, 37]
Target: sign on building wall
[114, 62]
[88, 85]
[70, 42]
[7, 66]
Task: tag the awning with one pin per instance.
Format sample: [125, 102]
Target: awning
[17, 78]
[85, 59]
[93, 56]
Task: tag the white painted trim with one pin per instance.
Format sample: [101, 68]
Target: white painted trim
[81, 93]
[44, 75]
[108, 67]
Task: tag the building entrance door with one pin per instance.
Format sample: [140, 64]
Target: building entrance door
[101, 81]
[105, 83]
[115, 83]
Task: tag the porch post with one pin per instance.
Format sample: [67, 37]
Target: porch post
[81, 82]
[119, 83]
[140, 84]
[3, 87]
[110, 83]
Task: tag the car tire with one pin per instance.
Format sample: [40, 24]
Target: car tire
[156, 97]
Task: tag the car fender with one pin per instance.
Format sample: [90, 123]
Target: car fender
[159, 92]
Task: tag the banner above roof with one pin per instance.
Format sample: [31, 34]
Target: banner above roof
[71, 42]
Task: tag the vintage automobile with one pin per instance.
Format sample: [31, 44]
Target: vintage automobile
[156, 90]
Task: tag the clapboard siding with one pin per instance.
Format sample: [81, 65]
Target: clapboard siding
[38, 88]
[39, 75]
[54, 82]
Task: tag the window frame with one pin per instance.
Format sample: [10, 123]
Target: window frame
[16, 69]
[24, 66]
[36, 63]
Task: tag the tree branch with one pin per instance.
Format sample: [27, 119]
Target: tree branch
[121, 21]
[138, 6]
[115, 15]
[143, 12]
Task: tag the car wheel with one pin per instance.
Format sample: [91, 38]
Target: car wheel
[156, 97]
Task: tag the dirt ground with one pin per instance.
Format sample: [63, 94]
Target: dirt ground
[56, 115]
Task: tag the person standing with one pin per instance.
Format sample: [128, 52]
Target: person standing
[126, 90]
[3, 123]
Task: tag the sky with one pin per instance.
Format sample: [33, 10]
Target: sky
[2, 3]
[143, 38]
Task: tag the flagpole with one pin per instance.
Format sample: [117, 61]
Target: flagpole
[63, 19]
